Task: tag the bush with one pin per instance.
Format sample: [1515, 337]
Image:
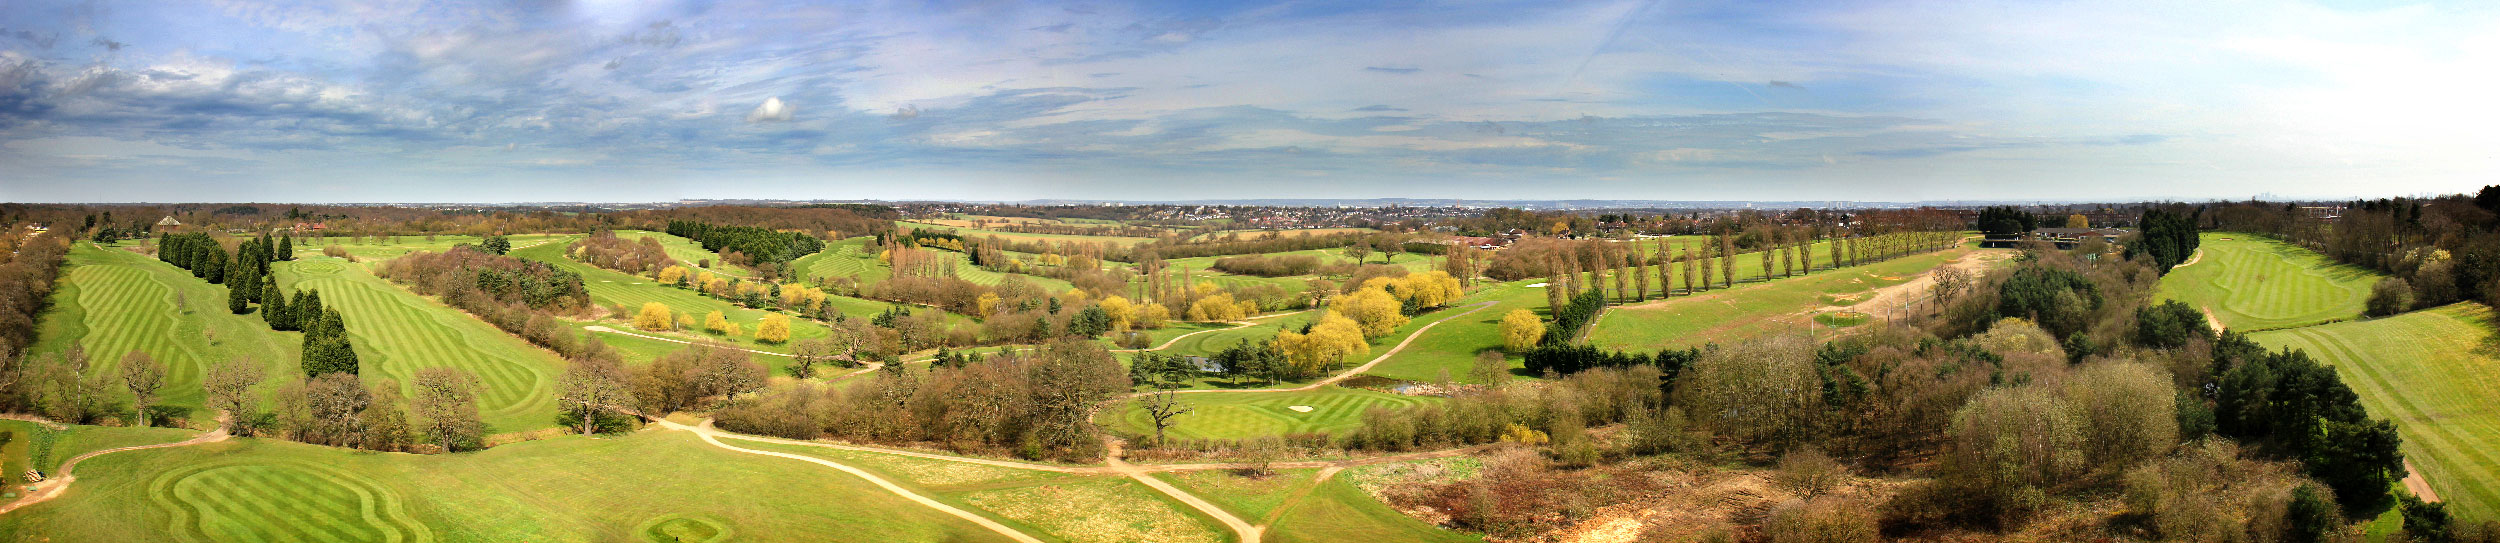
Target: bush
[1821, 520]
[2390, 296]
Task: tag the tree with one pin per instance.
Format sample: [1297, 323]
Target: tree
[1165, 408]
[653, 317]
[1766, 391]
[716, 323]
[1491, 369]
[808, 353]
[2078, 221]
[591, 386]
[1373, 309]
[1358, 251]
[2006, 222]
[326, 345]
[2129, 413]
[496, 244]
[239, 295]
[228, 387]
[143, 375]
[286, 248]
[2390, 296]
[385, 424]
[1331, 341]
[1950, 283]
[447, 401]
[775, 329]
[274, 310]
[1521, 330]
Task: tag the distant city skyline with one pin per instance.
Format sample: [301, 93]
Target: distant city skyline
[635, 101]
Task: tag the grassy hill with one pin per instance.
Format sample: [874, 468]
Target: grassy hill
[112, 301]
[397, 333]
[1753, 309]
[2256, 283]
[2434, 373]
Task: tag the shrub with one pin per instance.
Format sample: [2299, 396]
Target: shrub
[1521, 330]
[2390, 296]
[1820, 520]
[654, 317]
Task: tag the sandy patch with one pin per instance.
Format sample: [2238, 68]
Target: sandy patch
[1300, 408]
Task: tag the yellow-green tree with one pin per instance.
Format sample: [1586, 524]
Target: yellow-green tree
[654, 317]
[1521, 330]
[716, 323]
[672, 274]
[1331, 341]
[2078, 221]
[1123, 313]
[1429, 289]
[1375, 310]
[774, 329]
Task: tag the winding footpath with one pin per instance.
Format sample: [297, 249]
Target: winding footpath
[59, 483]
[706, 432]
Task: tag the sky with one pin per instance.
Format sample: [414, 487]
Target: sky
[622, 101]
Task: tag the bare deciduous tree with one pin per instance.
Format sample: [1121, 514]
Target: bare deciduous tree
[1165, 408]
[144, 376]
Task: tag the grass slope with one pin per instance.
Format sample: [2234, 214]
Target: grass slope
[565, 489]
[2255, 283]
[1751, 309]
[1453, 345]
[397, 332]
[1242, 414]
[112, 301]
[2436, 373]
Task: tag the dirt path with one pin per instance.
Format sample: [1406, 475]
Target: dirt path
[2210, 320]
[2420, 487]
[2193, 258]
[59, 483]
[1916, 288]
[705, 431]
[1243, 531]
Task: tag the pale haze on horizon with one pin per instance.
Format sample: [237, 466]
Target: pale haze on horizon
[242, 100]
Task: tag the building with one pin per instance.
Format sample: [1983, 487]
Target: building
[168, 224]
[2067, 238]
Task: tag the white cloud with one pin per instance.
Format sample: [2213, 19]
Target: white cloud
[772, 110]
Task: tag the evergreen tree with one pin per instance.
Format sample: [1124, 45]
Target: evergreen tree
[307, 309]
[274, 310]
[326, 347]
[286, 248]
[238, 296]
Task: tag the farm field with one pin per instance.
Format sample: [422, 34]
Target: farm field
[2254, 283]
[1753, 309]
[1236, 414]
[565, 489]
[397, 332]
[111, 301]
[2432, 372]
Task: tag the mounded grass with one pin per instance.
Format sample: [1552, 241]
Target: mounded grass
[112, 301]
[2256, 283]
[1244, 414]
[2436, 373]
[397, 332]
[563, 489]
[1754, 309]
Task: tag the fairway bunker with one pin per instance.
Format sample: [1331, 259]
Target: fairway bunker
[1299, 408]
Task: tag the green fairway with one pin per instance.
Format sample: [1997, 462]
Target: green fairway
[397, 332]
[2434, 373]
[976, 233]
[1244, 414]
[1754, 309]
[112, 301]
[846, 258]
[1453, 345]
[563, 489]
[2255, 283]
[610, 288]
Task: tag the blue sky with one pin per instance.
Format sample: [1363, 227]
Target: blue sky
[240, 100]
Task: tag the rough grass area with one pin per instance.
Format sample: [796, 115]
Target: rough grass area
[1102, 510]
[565, 489]
[1254, 499]
[1337, 511]
[1751, 310]
[2436, 373]
[2256, 283]
[112, 301]
[397, 332]
[1243, 414]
